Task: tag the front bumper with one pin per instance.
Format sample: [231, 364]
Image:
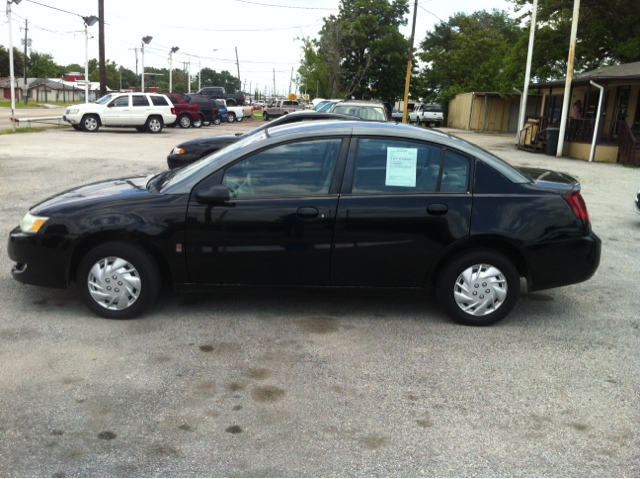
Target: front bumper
[41, 260]
[561, 263]
[71, 119]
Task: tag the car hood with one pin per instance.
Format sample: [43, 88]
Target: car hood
[543, 176]
[96, 192]
[206, 142]
[81, 106]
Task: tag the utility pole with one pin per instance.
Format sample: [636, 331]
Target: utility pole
[120, 77]
[290, 80]
[527, 73]
[189, 75]
[86, 63]
[408, 80]
[199, 75]
[24, 83]
[145, 41]
[101, 55]
[567, 86]
[274, 82]
[12, 78]
[238, 64]
[173, 50]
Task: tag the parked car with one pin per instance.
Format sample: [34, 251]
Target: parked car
[427, 115]
[186, 113]
[366, 110]
[218, 93]
[328, 105]
[319, 104]
[143, 111]
[279, 108]
[389, 110]
[191, 151]
[237, 113]
[330, 203]
[396, 115]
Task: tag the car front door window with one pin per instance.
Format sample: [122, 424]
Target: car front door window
[294, 169]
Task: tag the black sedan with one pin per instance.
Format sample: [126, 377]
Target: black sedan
[323, 204]
[191, 151]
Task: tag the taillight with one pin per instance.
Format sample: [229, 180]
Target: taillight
[196, 105]
[577, 204]
[173, 111]
[242, 99]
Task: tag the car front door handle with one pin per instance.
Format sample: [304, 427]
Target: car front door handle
[437, 209]
[307, 213]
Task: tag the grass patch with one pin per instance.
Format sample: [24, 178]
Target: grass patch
[36, 129]
[33, 104]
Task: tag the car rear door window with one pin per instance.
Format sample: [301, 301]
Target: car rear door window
[455, 173]
[139, 100]
[159, 101]
[393, 166]
[295, 169]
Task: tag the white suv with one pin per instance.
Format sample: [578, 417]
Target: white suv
[144, 111]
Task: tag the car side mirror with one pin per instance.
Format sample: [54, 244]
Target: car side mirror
[217, 193]
[110, 105]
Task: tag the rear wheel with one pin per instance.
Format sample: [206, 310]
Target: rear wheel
[478, 288]
[232, 117]
[217, 120]
[90, 123]
[197, 123]
[154, 124]
[184, 121]
[118, 280]
[239, 119]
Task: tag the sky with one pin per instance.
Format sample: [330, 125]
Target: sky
[206, 31]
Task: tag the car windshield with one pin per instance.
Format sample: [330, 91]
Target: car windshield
[104, 99]
[319, 105]
[179, 174]
[362, 112]
[327, 106]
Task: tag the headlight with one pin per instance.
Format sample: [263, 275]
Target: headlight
[178, 151]
[31, 224]
[72, 111]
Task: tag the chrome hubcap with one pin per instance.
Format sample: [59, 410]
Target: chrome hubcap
[185, 121]
[114, 283]
[90, 123]
[480, 290]
[154, 125]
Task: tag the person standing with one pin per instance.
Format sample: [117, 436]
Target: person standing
[577, 109]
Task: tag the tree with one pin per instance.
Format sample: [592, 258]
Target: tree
[469, 53]
[210, 77]
[608, 33]
[313, 74]
[18, 64]
[113, 74]
[41, 65]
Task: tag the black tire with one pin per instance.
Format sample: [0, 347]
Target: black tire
[185, 121]
[90, 123]
[76, 127]
[154, 124]
[232, 117]
[145, 268]
[141, 129]
[217, 120]
[239, 119]
[197, 123]
[451, 273]
[265, 116]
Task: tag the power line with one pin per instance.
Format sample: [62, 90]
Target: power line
[431, 13]
[285, 6]
[55, 8]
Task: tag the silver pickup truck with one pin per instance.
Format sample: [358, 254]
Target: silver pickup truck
[281, 107]
[426, 115]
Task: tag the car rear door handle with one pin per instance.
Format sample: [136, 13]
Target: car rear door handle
[307, 213]
[437, 209]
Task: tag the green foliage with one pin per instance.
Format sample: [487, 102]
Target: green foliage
[41, 65]
[608, 34]
[359, 53]
[210, 77]
[113, 75]
[469, 52]
[18, 64]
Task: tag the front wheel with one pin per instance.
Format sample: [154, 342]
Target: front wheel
[232, 117]
[217, 120]
[197, 123]
[478, 288]
[118, 280]
[90, 123]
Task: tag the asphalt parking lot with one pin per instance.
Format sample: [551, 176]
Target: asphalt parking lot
[325, 383]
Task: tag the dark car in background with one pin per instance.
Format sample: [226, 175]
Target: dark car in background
[190, 151]
[317, 204]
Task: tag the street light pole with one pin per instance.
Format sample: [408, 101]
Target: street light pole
[12, 78]
[88, 21]
[145, 41]
[173, 50]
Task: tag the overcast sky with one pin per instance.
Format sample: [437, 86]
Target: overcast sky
[198, 27]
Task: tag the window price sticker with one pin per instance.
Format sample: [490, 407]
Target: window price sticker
[401, 167]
